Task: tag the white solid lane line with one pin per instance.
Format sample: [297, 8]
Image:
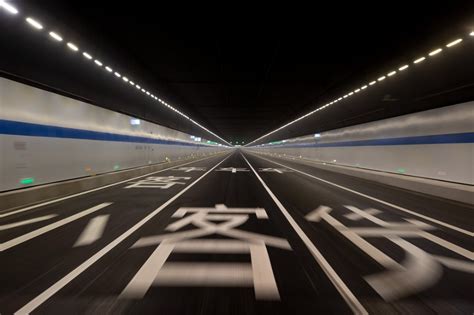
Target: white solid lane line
[45, 229]
[452, 227]
[341, 287]
[45, 295]
[2, 215]
[25, 222]
[93, 231]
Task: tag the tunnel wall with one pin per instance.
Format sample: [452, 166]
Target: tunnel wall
[436, 144]
[46, 137]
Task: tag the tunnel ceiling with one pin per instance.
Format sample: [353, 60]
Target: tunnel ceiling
[243, 70]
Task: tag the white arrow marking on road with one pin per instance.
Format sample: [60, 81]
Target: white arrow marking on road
[30, 221]
[93, 231]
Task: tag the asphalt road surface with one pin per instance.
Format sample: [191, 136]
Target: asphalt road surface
[239, 233]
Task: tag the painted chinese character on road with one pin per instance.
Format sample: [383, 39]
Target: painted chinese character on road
[209, 222]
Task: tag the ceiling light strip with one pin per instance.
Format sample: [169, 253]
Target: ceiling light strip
[371, 83]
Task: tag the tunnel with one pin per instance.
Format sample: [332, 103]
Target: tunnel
[236, 158]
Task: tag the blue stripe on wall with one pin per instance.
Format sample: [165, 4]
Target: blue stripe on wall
[467, 137]
[9, 127]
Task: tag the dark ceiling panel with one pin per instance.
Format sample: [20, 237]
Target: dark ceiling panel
[244, 71]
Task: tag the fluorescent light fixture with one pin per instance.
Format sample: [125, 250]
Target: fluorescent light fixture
[108, 69]
[131, 82]
[402, 68]
[72, 46]
[125, 79]
[147, 93]
[117, 74]
[363, 87]
[97, 62]
[372, 83]
[419, 60]
[137, 86]
[471, 33]
[134, 121]
[340, 98]
[391, 73]
[87, 55]
[345, 96]
[11, 9]
[454, 42]
[317, 135]
[355, 91]
[143, 90]
[381, 78]
[435, 52]
[56, 36]
[34, 23]
[349, 94]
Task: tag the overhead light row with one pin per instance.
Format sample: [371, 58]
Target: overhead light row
[389, 74]
[75, 48]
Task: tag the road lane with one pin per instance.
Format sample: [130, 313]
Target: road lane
[221, 247]
[69, 205]
[220, 243]
[411, 263]
[458, 215]
[345, 292]
[32, 266]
